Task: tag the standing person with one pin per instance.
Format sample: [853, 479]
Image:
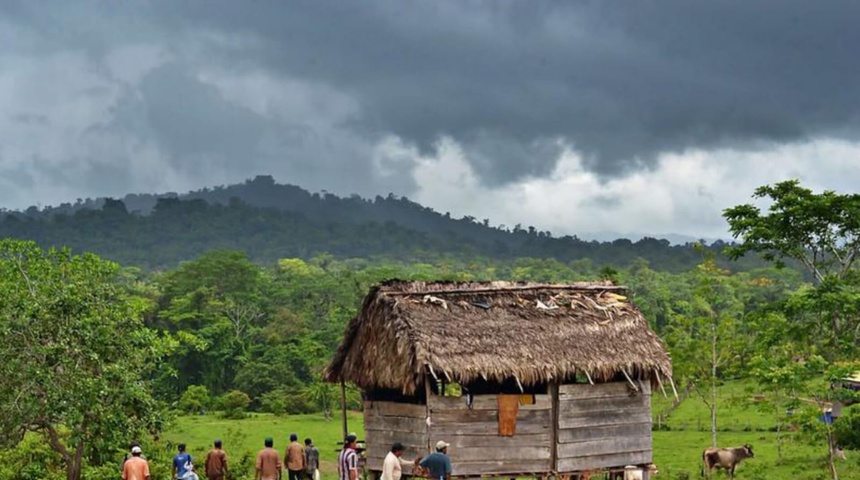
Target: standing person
[312, 460]
[438, 463]
[216, 463]
[135, 468]
[183, 468]
[294, 458]
[268, 463]
[347, 460]
[128, 453]
[392, 466]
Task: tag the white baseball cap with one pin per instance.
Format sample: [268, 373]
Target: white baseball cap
[135, 449]
[441, 444]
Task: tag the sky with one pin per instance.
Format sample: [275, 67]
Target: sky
[592, 118]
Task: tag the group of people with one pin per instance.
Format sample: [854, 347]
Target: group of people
[136, 467]
[436, 466]
[301, 462]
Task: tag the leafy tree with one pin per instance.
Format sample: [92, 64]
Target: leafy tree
[819, 342]
[323, 396]
[75, 354]
[819, 231]
[702, 337]
[235, 404]
[195, 399]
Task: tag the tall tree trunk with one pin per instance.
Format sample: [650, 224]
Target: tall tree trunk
[831, 453]
[713, 405]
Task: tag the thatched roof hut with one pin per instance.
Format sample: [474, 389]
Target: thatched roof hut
[554, 379]
[537, 333]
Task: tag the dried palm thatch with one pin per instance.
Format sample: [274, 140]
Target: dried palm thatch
[462, 332]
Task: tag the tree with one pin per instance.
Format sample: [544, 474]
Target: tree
[235, 404]
[701, 337]
[819, 231]
[75, 354]
[195, 399]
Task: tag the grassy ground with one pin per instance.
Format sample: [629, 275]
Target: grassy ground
[677, 451]
[244, 438]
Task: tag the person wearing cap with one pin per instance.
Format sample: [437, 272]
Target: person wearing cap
[216, 462]
[183, 467]
[268, 463]
[438, 462]
[294, 458]
[347, 460]
[128, 454]
[135, 468]
[312, 460]
[392, 466]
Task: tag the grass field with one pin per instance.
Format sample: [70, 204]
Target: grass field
[677, 452]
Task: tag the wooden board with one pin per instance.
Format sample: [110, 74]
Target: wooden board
[409, 452]
[394, 409]
[600, 390]
[500, 467]
[491, 452]
[388, 437]
[397, 424]
[603, 404]
[466, 441]
[604, 431]
[603, 461]
[439, 417]
[484, 402]
[606, 418]
[604, 446]
[452, 429]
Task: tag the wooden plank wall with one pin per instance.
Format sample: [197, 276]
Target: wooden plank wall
[603, 425]
[389, 422]
[476, 447]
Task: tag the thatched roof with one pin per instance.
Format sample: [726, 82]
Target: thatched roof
[467, 331]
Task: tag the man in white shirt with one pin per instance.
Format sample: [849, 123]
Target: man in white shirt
[392, 467]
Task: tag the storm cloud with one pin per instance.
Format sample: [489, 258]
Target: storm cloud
[313, 91]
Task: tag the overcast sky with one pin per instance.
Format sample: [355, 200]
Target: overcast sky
[576, 117]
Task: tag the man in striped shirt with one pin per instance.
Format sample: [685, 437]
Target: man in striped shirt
[347, 460]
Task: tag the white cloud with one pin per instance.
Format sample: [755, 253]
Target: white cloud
[683, 194]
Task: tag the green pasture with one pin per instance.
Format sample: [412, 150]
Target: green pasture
[677, 451]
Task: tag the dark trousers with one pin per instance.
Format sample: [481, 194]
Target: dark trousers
[296, 474]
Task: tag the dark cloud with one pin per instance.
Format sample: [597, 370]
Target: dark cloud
[510, 81]
[622, 83]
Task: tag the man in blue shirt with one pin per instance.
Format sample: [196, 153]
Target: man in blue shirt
[438, 463]
[183, 469]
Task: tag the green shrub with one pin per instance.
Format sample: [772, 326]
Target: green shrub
[847, 428]
[235, 404]
[195, 399]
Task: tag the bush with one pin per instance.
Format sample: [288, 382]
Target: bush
[235, 404]
[283, 401]
[847, 428]
[195, 399]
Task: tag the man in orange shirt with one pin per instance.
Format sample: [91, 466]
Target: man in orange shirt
[135, 468]
[268, 463]
[294, 457]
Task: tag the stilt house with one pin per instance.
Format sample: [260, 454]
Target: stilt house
[520, 378]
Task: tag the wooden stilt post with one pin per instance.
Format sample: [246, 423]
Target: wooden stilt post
[553, 452]
[343, 408]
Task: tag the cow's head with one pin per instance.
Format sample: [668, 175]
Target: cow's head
[748, 450]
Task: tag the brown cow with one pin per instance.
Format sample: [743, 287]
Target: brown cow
[727, 458]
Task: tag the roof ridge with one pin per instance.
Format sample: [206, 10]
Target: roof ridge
[512, 288]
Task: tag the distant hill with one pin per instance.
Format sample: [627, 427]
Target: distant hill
[268, 221]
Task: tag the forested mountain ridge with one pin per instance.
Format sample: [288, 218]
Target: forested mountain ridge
[269, 221]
